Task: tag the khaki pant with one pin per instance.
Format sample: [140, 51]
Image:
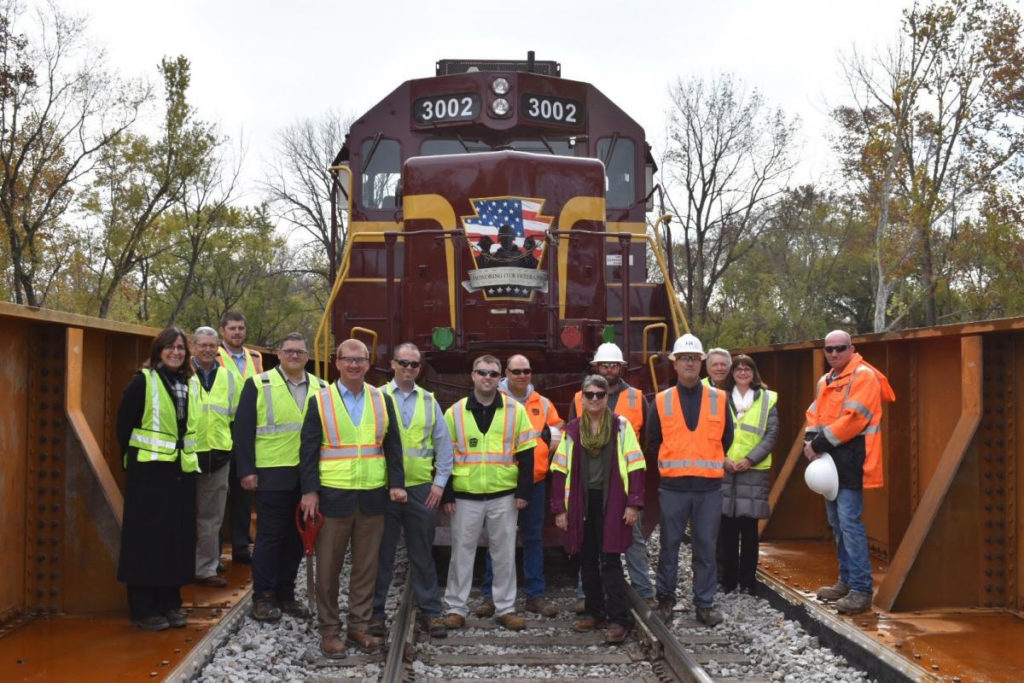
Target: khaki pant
[211, 496]
[365, 532]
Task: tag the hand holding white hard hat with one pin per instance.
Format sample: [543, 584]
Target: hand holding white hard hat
[822, 476]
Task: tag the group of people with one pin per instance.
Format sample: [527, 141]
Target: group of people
[378, 462]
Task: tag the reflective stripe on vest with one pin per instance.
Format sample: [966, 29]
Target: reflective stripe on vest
[352, 456]
[749, 431]
[156, 438]
[279, 419]
[486, 463]
[216, 411]
[418, 437]
[697, 453]
[227, 361]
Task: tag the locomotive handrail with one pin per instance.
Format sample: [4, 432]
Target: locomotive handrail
[674, 307]
[654, 375]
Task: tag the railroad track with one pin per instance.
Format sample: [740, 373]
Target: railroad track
[550, 648]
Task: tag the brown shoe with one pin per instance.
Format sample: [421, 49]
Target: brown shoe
[587, 623]
[376, 628]
[511, 621]
[836, 591]
[364, 641]
[294, 608]
[580, 606]
[435, 627]
[333, 647]
[212, 581]
[485, 609]
[539, 605]
[453, 620]
[265, 610]
[615, 634]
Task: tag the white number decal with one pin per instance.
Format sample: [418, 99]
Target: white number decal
[534, 107]
[570, 113]
[467, 106]
[428, 110]
[551, 110]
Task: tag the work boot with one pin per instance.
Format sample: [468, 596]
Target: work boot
[539, 605]
[485, 609]
[435, 627]
[854, 602]
[587, 623]
[265, 610]
[333, 647]
[156, 623]
[176, 618]
[830, 593]
[580, 606]
[294, 608]
[615, 634]
[511, 621]
[664, 609]
[376, 628]
[709, 616]
[364, 641]
[453, 620]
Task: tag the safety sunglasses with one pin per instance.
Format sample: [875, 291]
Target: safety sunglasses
[493, 374]
[408, 363]
[836, 349]
[595, 395]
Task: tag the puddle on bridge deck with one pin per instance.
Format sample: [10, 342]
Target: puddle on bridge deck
[106, 647]
[971, 645]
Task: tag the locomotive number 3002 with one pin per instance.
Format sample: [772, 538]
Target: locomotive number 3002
[552, 110]
[446, 108]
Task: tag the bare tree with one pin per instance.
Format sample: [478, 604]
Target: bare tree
[298, 184]
[59, 107]
[730, 153]
[938, 118]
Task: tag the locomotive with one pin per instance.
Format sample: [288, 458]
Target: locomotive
[500, 208]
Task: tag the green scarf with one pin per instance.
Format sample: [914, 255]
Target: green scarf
[591, 442]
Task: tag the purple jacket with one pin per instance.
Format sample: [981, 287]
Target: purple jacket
[617, 537]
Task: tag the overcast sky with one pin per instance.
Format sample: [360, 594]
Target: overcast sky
[259, 65]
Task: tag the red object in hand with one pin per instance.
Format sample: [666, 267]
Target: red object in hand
[308, 530]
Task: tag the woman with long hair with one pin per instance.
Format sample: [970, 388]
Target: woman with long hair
[156, 430]
[745, 486]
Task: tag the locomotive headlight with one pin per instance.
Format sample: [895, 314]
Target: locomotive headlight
[500, 85]
[500, 106]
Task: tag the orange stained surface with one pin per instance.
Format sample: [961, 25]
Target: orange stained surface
[107, 647]
[951, 644]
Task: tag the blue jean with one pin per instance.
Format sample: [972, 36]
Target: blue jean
[531, 526]
[704, 508]
[637, 563]
[844, 516]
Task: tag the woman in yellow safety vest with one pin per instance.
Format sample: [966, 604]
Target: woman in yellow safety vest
[747, 465]
[156, 430]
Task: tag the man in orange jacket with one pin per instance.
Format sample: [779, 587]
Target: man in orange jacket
[845, 420]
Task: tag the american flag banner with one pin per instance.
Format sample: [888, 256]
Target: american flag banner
[521, 214]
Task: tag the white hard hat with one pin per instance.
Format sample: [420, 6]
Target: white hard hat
[687, 344]
[822, 477]
[608, 353]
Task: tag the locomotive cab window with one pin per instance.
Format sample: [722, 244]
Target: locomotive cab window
[459, 146]
[618, 155]
[382, 169]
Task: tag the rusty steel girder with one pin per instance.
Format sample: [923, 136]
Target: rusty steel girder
[946, 520]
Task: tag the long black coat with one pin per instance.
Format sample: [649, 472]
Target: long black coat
[158, 536]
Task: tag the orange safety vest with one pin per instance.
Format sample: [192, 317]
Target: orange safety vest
[632, 408]
[696, 453]
[541, 412]
[850, 406]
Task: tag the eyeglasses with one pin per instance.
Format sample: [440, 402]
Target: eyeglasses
[836, 349]
[353, 360]
[408, 363]
[294, 352]
[688, 359]
[493, 374]
[743, 368]
[595, 395]
[520, 371]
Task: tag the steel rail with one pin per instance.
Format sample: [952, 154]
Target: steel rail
[679, 661]
[401, 636]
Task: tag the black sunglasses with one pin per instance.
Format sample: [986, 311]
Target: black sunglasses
[520, 371]
[836, 349]
[488, 373]
[595, 394]
[408, 363]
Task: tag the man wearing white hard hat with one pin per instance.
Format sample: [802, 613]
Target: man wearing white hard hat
[691, 429]
[610, 364]
[844, 420]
